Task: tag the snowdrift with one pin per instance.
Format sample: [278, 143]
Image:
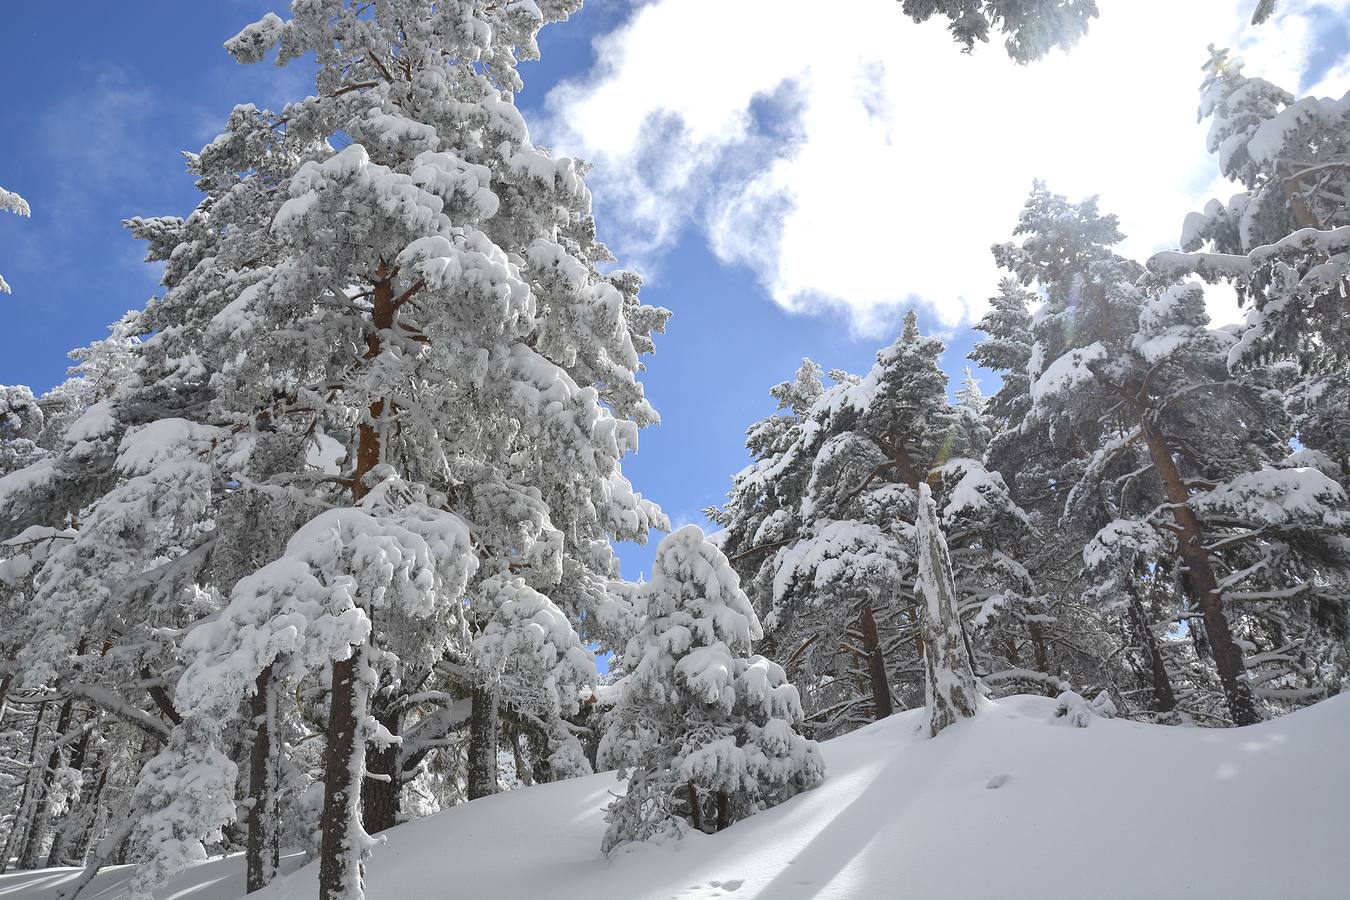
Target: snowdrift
[1011, 804]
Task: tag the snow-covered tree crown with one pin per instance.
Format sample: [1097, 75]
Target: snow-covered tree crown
[1032, 27]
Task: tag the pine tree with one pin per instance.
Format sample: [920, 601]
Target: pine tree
[1130, 359]
[706, 727]
[970, 432]
[823, 528]
[1277, 241]
[363, 351]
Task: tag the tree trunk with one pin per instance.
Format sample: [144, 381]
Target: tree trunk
[482, 743]
[1204, 586]
[5, 681]
[949, 690]
[876, 664]
[16, 823]
[524, 771]
[336, 856]
[1037, 634]
[42, 797]
[541, 769]
[381, 798]
[723, 810]
[81, 831]
[340, 874]
[695, 814]
[263, 852]
[1163, 697]
[75, 811]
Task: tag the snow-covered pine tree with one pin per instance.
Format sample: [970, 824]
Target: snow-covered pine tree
[492, 386]
[514, 231]
[1032, 28]
[1278, 242]
[703, 729]
[1117, 384]
[822, 526]
[1007, 350]
[970, 432]
[12, 202]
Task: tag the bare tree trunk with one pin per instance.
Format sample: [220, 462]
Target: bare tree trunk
[482, 743]
[1204, 586]
[723, 810]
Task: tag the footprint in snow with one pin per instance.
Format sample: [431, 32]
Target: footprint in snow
[997, 781]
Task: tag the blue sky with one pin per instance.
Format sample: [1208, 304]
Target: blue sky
[773, 224]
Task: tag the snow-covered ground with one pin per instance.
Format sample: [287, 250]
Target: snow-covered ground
[1006, 805]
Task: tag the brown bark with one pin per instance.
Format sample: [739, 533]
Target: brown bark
[335, 856]
[723, 810]
[1037, 634]
[695, 814]
[1202, 583]
[876, 664]
[262, 852]
[161, 698]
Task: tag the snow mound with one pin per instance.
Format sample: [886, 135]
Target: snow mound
[1004, 805]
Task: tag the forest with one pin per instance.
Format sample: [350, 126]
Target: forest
[320, 544]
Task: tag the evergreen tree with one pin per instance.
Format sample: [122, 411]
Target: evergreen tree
[823, 528]
[706, 727]
[1277, 242]
[382, 329]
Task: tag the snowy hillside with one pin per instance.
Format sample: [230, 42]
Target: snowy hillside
[1005, 805]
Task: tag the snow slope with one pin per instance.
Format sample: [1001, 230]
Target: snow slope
[1005, 805]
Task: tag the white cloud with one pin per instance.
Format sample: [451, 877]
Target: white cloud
[858, 161]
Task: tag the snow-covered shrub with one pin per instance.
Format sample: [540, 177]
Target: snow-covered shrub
[706, 727]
